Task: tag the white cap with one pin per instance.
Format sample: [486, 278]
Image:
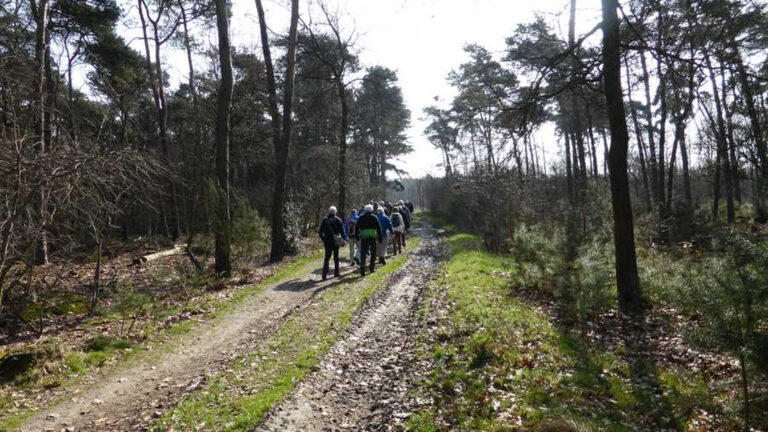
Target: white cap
[332, 210]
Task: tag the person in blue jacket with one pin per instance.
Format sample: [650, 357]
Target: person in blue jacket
[386, 233]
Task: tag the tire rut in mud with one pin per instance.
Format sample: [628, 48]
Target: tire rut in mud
[362, 382]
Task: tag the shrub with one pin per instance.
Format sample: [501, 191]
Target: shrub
[252, 230]
[729, 297]
[105, 343]
[593, 286]
[131, 306]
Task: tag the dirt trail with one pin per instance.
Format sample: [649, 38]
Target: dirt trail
[361, 383]
[130, 398]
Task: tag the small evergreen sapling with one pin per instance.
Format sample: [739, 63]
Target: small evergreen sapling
[730, 294]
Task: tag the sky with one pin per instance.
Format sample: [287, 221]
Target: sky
[422, 40]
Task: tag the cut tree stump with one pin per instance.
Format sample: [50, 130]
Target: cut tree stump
[156, 255]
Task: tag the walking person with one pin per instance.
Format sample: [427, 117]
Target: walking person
[354, 239]
[387, 231]
[406, 219]
[333, 237]
[398, 226]
[369, 230]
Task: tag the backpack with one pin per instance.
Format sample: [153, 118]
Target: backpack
[396, 221]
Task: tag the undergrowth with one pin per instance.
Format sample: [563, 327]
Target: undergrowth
[51, 364]
[502, 360]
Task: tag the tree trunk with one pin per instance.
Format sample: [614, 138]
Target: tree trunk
[162, 120]
[199, 143]
[568, 170]
[723, 161]
[627, 279]
[732, 160]
[281, 137]
[40, 12]
[649, 128]
[575, 111]
[155, 94]
[96, 285]
[687, 192]
[745, 390]
[223, 113]
[660, 196]
[671, 175]
[757, 132]
[343, 144]
[640, 147]
[606, 153]
[592, 142]
[50, 90]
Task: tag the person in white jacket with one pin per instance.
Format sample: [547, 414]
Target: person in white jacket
[398, 226]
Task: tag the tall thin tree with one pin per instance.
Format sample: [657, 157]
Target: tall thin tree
[281, 130]
[223, 114]
[627, 278]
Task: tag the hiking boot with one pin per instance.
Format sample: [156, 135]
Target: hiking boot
[336, 274]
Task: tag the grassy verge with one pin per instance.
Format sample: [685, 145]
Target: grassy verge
[60, 369]
[501, 362]
[238, 398]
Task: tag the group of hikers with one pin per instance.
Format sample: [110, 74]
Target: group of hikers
[369, 233]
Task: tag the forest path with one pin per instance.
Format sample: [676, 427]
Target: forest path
[132, 396]
[362, 382]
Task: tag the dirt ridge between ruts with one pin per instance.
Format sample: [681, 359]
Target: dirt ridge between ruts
[361, 384]
[131, 395]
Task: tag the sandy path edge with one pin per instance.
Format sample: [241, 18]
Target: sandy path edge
[118, 400]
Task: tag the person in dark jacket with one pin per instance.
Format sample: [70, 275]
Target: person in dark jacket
[331, 230]
[406, 219]
[369, 230]
[409, 204]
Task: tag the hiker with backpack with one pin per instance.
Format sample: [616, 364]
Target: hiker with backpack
[368, 229]
[354, 240]
[333, 237]
[398, 226]
[406, 219]
[386, 228]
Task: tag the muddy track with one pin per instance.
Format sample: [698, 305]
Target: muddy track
[362, 383]
[133, 397]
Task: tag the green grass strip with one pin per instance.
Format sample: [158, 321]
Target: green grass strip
[501, 363]
[237, 398]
